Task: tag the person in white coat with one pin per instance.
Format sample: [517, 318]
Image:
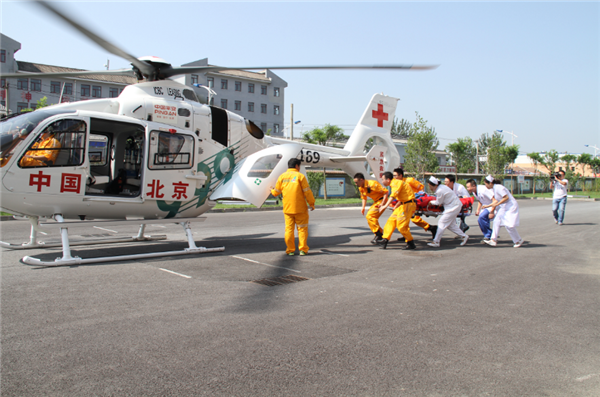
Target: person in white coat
[452, 206]
[484, 197]
[507, 212]
[461, 192]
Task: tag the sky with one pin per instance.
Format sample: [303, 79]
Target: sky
[531, 68]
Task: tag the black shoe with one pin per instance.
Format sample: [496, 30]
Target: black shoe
[383, 242]
[410, 245]
[433, 230]
[377, 237]
[401, 239]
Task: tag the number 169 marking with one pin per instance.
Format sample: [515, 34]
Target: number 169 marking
[311, 156]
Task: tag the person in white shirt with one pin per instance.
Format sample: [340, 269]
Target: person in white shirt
[484, 197]
[559, 196]
[460, 191]
[452, 206]
[507, 214]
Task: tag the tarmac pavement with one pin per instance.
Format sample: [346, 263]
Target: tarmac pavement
[452, 321]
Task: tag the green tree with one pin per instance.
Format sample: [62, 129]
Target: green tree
[321, 136]
[549, 160]
[42, 103]
[463, 154]
[493, 145]
[536, 160]
[420, 149]
[400, 129]
[584, 160]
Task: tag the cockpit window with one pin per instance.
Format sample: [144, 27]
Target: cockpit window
[14, 130]
[190, 95]
[170, 151]
[62, 143]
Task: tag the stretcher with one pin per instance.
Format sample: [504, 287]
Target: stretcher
[424, 206]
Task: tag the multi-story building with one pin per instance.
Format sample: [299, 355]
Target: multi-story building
[257, 96]
[23, 92]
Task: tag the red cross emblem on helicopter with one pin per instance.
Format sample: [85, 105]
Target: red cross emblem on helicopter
[380, 115]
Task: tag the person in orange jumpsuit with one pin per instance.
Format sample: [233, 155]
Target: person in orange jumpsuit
[42, 158]
[416, 187]
[403, 211]
[296, 194]
[377, 193]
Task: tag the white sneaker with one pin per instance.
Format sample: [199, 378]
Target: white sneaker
[485, 240]
[559, 223]
[465, 239]
[434, 244]
[491, 242]
[556, 221]
[519, 243]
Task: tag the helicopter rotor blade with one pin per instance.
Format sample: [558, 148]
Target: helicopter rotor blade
[144, 67]
[83, 73]
[199, 69]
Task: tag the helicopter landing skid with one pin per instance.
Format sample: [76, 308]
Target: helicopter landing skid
[34, 243]
[67, 259]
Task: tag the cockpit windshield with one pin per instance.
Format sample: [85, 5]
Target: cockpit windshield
[14, 130]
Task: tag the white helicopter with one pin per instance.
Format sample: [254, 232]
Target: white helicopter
[156, 154]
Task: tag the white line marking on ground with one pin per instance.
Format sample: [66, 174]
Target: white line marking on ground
[45, 234]
[265, 264]
[108, 230]
[333, 253]
[171, 271]
[164, 227]
[582, 378]
[339, 208]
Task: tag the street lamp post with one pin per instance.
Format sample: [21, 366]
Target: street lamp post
[595, 149]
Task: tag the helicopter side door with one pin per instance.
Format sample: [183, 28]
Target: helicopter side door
[54, 163]
[170, 179]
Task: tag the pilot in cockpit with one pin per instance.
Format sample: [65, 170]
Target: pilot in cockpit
[42, 158]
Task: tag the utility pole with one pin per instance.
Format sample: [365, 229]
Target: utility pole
[292, 123]
[477, 156]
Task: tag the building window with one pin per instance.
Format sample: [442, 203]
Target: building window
[85, 90]
[3, 56]
[224, 103]
[113, 92]
[55, 87]
[263, 127]
[276, 91]
[251, 88]
[276, 128]
[23, 84]
[211, 82]
[238, 105]
[36, 85]
[263, 108]
[263, 90]
[68, 88]
[276, 110]
[223, 84]
[2, 83]
[97, 91]
[251, 106]
[212, 101]
[238, 86]
[194, 79]
[22, 106]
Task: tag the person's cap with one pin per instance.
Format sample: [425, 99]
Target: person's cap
[489, 178]
[433, 180]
